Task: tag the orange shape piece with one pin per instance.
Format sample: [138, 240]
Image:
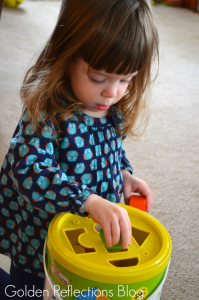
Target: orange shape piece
[138, 202]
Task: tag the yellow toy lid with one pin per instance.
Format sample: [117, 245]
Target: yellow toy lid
[75, 243]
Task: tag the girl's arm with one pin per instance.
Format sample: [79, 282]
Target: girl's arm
[37, 175]
[125, 164]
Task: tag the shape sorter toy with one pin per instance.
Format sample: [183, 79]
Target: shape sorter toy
[81, 267]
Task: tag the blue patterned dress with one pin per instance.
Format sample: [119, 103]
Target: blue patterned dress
[39, 179]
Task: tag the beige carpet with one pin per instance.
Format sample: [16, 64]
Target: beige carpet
[168, 157]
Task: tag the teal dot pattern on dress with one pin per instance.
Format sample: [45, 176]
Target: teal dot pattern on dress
[39, 179]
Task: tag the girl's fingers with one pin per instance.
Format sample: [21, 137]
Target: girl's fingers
[115, 230]
[149, 204]
[107, 234]
[144, 190]
[127, 193]
[113, 219]
[125, 229]
[149, 199]
[125, 236]
[119, 226]
[112, 232]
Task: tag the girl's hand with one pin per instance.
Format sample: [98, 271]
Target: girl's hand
[113, 219]
[133, 184]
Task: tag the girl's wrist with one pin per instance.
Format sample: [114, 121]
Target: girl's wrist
[90, 201]
[126, 173]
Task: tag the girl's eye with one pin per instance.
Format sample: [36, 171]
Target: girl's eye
[125, 81]
[97, 81]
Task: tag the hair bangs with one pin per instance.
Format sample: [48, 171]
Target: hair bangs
[116, 48]
[121, 56]
[113, 58]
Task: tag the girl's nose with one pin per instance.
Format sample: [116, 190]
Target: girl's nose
[110, 91]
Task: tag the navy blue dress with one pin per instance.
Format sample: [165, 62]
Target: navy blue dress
[39, 179]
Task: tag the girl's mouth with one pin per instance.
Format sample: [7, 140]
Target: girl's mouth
[102, 107]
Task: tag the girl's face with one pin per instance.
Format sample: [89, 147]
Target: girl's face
[98, 90]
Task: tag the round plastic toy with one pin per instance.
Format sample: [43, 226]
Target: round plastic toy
[12, 3]
[79, 266]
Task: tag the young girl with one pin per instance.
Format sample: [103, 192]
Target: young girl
[81, 98]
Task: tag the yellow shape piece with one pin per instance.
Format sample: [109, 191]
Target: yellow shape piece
[101, 296]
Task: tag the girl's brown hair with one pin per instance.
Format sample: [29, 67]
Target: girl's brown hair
[118, 36]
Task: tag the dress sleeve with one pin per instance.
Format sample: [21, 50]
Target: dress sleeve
[125, 164]
[36, 174]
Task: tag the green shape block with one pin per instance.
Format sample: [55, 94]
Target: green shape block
[114, 247]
